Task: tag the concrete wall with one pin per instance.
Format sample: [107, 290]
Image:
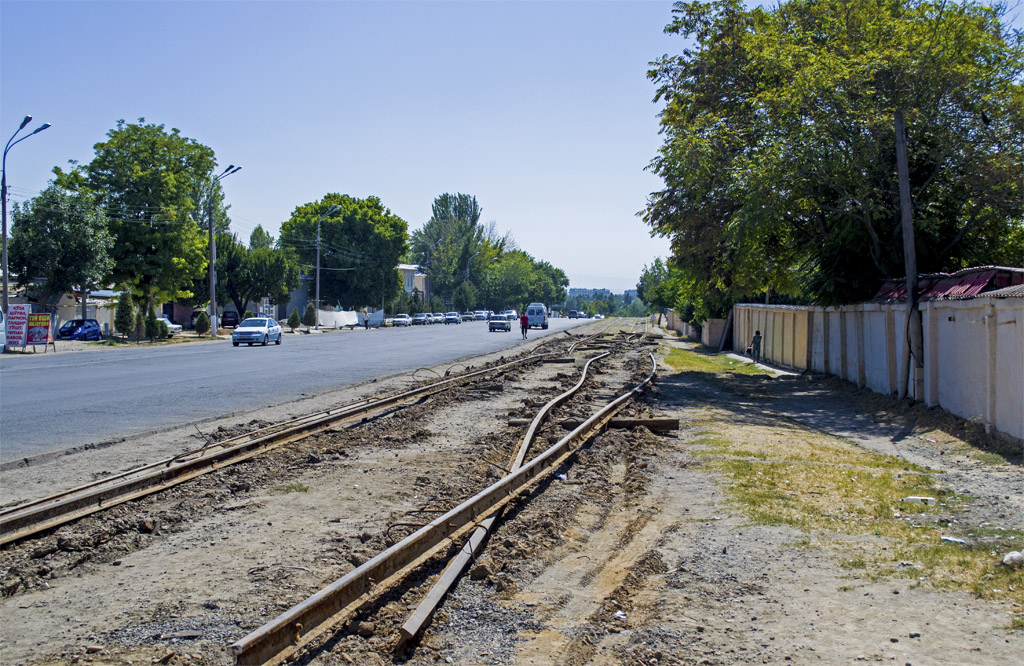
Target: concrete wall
[973, 351]
[674, 322]
[711, 332]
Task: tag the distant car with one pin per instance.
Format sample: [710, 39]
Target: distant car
[499, 322]
[172, 328]
[437, 318]
[422, 319]
[480, 315]
[467, 316]
[229, 318]
[452, 318]
[80, 329]
[256, 330]
[599, 316]
[575, 315]
[401, 320]
[512, 314]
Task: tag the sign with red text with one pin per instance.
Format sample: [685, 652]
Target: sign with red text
[17, 324]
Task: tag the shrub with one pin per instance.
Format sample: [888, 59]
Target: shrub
[202, 323]
[162, 331]
[294, 320]
[309, 318]
[151, 329]
[247, 314]
[140, 324]
[124, 316]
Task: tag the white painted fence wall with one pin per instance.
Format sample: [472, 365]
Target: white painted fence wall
[973, 351]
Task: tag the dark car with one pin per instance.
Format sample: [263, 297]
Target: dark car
[229, 318]
[80, 329]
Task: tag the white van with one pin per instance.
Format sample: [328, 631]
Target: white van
[538, 315]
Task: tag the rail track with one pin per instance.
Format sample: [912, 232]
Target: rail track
[476, 517]
[33, 517]
[286, 635]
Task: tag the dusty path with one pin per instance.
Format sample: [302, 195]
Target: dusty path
[644, 550]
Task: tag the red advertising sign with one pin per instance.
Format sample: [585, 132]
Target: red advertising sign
[39, 331]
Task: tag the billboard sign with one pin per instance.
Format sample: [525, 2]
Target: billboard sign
[17, 324]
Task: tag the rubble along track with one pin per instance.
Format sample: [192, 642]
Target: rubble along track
[305, 622]
[76, 553]
[33, 517]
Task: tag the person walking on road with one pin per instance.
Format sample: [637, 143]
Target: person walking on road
[524, 323]
[366, 320]
[755, 347]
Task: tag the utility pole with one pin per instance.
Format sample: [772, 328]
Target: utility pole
[329, 211]
[913, 338]
[213, 248]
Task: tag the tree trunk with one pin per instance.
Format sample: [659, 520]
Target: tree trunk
[913, 343]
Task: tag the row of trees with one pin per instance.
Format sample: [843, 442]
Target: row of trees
[138, 216]
[472, 266]
[779, 153]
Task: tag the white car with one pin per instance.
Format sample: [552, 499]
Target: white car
[401, 320]
[452, 318]
[256, 330]
[436, 318]
[172, 328]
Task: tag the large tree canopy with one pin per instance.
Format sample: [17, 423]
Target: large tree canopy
[62, 237]
[778, 158]
[149, 181]
[361, 244]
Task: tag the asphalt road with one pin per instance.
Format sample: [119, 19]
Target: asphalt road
[55, 402]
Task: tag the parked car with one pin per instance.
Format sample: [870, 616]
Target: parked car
[422, 319]
[229, 318]
[256, 330]
[452, 318]
[512, 314]
[437, 318]
[401, 320]
[172, 328]
[480, 315]
[467, 316]
[499, 322]
[575, 315]
[80, 329]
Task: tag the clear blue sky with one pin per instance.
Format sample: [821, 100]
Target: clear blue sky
[542, 110]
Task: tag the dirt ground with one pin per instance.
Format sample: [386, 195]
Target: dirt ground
[644, 549]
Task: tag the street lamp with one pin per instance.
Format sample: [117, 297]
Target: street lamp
[213, 247]
[467, 264]
[329, 211]
[3, 191]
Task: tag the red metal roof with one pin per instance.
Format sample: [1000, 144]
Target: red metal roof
[965, 283]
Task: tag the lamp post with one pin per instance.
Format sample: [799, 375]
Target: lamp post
[467, 264]
[213, 247]
[329, 211]
[3, 191]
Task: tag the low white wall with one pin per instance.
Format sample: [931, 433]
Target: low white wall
[973, 351]
[337, 319]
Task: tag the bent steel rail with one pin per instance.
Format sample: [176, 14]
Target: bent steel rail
[296, 627]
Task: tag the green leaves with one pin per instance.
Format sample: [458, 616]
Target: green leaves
[360, 246]
[778, 158]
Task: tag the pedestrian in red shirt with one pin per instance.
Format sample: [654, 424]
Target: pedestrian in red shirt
[524, 323]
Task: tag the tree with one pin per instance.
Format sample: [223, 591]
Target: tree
[464, 298]
[202, 323]
[259, 238]
[62, 237]
[151, 329]
[294, 320]
[309, 317]
[361, 244]
[124, 316]
[147, 179]
[779, 155]
[140, 324]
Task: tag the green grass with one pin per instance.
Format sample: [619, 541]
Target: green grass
[683, 360]
[293, 487]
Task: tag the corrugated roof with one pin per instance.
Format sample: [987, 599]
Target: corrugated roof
[965, 283]
[1016, 291]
